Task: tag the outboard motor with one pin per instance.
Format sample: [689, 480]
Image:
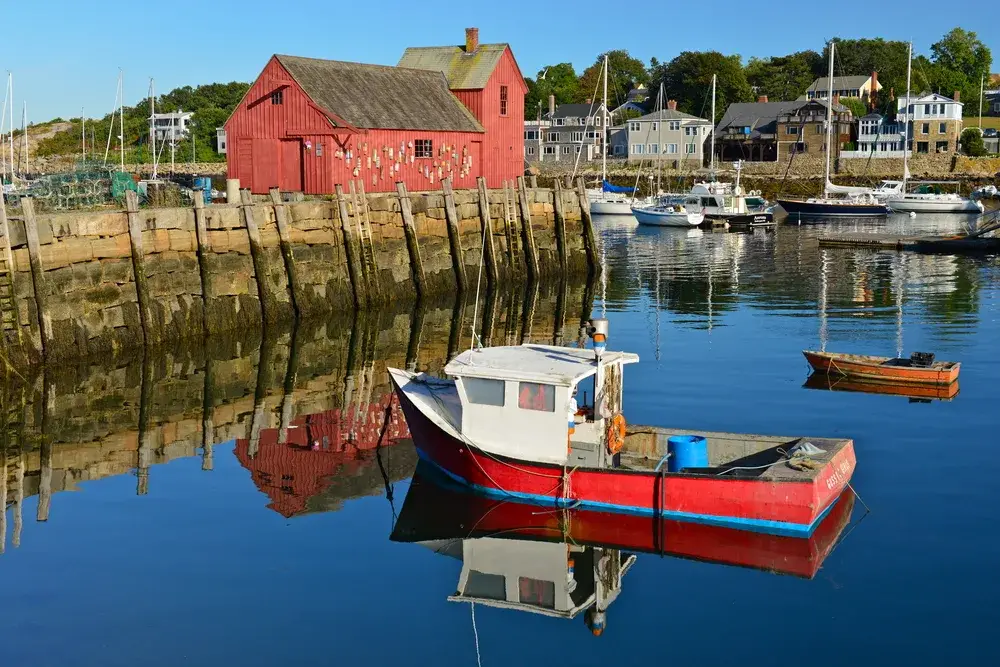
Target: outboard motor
[922, 359]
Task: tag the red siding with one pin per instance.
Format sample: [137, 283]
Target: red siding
[503, 146]
[256, 131]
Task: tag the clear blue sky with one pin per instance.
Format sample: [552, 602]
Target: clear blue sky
[66, 54]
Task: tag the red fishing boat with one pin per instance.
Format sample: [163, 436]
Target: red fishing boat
[509, 425]
[920, 368]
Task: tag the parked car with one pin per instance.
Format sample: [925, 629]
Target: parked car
[989, 133]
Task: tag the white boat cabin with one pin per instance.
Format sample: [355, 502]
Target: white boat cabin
[518, 401]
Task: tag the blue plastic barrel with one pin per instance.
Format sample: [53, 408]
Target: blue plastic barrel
[687, 451]
[204, 183]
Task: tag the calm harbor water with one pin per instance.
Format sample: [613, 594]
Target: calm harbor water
[233, 503]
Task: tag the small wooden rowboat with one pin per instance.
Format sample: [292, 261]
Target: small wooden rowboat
[884, 369]
[914, 392]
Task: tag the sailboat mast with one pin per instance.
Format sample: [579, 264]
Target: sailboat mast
[10, 127]
[829, 120]
[713, 125]
[24, 134]
[659, 141]
[604, 128]
[121, 115]
[152, 123]
[982, 84]
[906, 135]
[83, 132]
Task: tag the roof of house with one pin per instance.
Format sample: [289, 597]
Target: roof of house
[927, 96]
[760, 117]
[465, 71]
[669, 114]
[576, 110]
[839, 83]
[380, 97]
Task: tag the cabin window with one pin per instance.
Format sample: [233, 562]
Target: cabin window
[278, 97]
[423, 148]
[485, 586]
[484, 392]
[503, 100]
[536, 592]
[535, 396]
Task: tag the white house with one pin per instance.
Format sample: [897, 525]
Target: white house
[220, 140]
[878, 137]
[935, 121]
[170, 126]
[668, 135]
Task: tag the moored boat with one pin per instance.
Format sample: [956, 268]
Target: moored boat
[670, 212]
[858, 206]
[508, 425]
[918, 369]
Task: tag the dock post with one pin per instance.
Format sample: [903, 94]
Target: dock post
[412, 244]
[267, 304]
[589, 241]
[201, 234]
[454, 236]
[531, 255]
[149, 333]
[37, 279]
[233, 191]
[560, 221]
[353, 267]
[487, 225]
[281, 218]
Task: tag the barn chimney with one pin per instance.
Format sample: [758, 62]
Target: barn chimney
[672, 105]
[552, 105]
[958, 96]
[762, 99]
[471, 40]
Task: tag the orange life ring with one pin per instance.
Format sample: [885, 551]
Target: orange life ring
[616, 433]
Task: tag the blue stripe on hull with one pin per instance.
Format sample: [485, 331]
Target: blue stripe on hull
[797, 209]
[782, 528]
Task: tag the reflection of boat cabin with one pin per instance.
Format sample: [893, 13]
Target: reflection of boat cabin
[515, 401]
[549, 578]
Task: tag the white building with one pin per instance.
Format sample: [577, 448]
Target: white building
[935, 122]
[220, 140]
[878, 137]
[668, 135]
[170, 126]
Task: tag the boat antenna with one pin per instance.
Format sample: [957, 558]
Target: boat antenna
[479, 281]
[906, 136]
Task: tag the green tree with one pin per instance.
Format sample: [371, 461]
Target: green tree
[861, 57]
[559, 80]
[624, 74]
[962, 51]
[972, 142]
[688, 80]
[784, 78]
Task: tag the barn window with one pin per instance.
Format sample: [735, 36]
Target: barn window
[423, 148]
[503, 100]
[278, 97]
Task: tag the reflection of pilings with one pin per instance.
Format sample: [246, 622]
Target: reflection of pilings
[3, 496]
[489, 316]
[530, 301]
[18, 499]
[207, 423]
[145, 452]
[265, 375]
[587, 306]
[457, 321]
[511, 329]
[291, 375]
[416, 330]
[45, 481]
[560, 315]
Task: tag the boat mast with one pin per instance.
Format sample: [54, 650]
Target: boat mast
[906, 132]
[982, 83]
[24, 135]
[10, 135]
[604, 128]
[659, 141]
[3, 119]
[829, 121]
[83, 132]
[121, 115]
[712, 168]
[152, 123]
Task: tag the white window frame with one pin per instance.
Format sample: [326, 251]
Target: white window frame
[690, 149]
[942, 128]
[635, 127]
[560, 121]
[670, 149]
[565, 150]
[550, 150]
[792, 130]
[655, 126]
[674, 125]
[552, 136]
[576, 137]
[638, 149]
[654, 149]
[530, 150]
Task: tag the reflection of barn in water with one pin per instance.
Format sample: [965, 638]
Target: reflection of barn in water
[330, 456]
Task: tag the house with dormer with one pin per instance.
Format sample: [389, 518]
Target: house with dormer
[935, 121]
[860, 87]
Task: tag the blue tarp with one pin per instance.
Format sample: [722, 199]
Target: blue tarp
[617, 188]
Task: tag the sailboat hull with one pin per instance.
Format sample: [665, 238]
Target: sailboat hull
[934, 205]
[826, 209]
[665, 219]
[610, 207]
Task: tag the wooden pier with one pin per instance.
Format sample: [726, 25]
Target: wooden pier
[924, 244]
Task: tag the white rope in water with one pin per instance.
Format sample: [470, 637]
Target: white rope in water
[475, 633]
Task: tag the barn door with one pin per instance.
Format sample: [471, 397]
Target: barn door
[265, 165]
[291, 165]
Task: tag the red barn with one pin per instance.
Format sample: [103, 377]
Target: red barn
[308, 124]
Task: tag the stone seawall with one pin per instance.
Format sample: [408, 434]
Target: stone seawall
[99, 283]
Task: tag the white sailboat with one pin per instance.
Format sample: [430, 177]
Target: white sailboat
[926, 199]
[602, 200]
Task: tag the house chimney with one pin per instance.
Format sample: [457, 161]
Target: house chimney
[836, 98]
[589, 101]
[762, 99]
[958, 96]
[552, 105]
[672, 105]
[471, 40]
[873, 95]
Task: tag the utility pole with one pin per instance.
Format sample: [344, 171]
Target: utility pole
[982, 84]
